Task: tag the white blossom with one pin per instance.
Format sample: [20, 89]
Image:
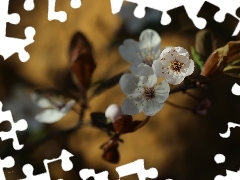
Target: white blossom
[174, 65]
[113, 112]
[54, 109]
[145, 51]
[143, 92]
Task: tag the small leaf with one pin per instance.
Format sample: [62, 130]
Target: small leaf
[82, 63]
[199, 78]
[197, 58]
[124, 124]
[99, 120]
[110, 151]
[221, 58]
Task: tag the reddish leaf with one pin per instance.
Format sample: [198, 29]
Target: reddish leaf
[124, 124]
[220, 58]
[111, 153]
[78, 45]
[82, 63]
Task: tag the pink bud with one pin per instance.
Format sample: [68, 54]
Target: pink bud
[113, 112]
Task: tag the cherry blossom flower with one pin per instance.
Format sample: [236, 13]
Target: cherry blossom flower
[174, 65]
[54, 109]
[143, 92]
[113, 112]
[145, 51]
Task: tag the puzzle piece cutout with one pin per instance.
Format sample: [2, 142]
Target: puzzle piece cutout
[66, 164]
[20, 125]
[7, 162]
[192, 8]
[52, 14]
[230, 125]
[231, 175]
[208, 11]
[137, 167]
[220, 158]
[9, 45]
[236, 89]
[87, 173]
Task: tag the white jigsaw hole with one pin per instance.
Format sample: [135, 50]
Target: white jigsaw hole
[23, 125]
[200, 23]
[219, 17]
[166, 19]
[28, 5]
[219, 158]
[153, 173]
[27, 169]
[75, 4]
[15, 18]
[236, 89]
[29, 32]
[139, 12]
[9, 162]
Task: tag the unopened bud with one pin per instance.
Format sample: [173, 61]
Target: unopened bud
[113, 112]
[202, 107]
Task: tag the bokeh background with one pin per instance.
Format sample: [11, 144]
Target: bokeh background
[180, 144]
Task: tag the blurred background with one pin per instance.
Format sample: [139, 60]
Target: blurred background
[180, 144]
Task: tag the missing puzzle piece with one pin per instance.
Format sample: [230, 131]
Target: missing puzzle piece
[66, 164]
[20, 125]
[192, 7]
[9, 45]
[7, 162]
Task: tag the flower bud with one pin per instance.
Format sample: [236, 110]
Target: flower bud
[202, 107]
[113, 112]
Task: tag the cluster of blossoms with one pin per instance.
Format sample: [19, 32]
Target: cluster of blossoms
[146, 87]
[148, 63]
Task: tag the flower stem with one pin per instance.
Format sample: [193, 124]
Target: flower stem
[191, 95]
[184, 87]
[178, 106]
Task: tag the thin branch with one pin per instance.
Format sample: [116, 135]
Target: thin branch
[184, 87]
[178, 106]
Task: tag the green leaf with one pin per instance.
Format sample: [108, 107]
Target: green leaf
[197, 58]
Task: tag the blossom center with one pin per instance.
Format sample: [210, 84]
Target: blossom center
[176, 66]
[148, 56]
[149, 93]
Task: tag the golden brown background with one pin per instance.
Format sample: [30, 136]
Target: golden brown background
[178, 143]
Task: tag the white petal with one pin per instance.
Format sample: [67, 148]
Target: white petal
[152, 107]
[162, 92]
[50, 116]
[40, 101]
[145, 70]
[168, 57]
[191, 67]
[68, 106]
[182, 59]
[128, 83]
[147, 76]
[132, 106]
[129, 51]
[150, 39]
[174, 81]
[162, 88]
[159, 69]
[134, 69]
[182, 51]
